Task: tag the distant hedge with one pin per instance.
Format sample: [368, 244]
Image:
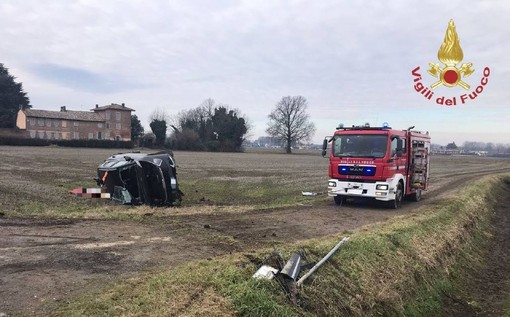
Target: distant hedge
[94, 143]
[68, 143]
[23, 142]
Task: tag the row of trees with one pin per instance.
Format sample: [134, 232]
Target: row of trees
[208, 127]
[473, 146]
[491, 148]
[218, 127]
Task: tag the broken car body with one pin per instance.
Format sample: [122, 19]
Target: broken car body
[139, 178]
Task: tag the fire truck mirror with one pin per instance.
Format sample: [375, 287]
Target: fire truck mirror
[400, 145]
[324, 147]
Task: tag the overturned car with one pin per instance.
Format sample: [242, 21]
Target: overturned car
[139, 178]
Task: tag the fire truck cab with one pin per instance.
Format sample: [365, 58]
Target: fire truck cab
[377, 162]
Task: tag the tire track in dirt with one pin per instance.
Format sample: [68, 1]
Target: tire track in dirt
[455, 180]
[259, 227]
[43, 261]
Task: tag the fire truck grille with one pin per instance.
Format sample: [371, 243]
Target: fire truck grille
[356, 170]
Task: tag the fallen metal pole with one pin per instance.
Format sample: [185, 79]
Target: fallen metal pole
[324, 259]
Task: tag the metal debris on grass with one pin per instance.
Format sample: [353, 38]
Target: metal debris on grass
[265, 272]
[287, 274]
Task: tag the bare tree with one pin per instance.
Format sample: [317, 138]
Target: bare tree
[289, 121]
[158, 114]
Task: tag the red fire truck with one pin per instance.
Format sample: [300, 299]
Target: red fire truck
[378, 162]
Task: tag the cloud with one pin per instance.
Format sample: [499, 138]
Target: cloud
[83, 80]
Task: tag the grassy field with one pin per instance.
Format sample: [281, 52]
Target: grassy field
[34, 181]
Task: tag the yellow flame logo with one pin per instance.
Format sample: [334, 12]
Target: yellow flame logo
[450, 54]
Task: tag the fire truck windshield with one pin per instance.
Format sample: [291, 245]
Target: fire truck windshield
[360, 145]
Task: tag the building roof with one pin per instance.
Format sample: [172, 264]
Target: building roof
[113, 106]
[67, 115]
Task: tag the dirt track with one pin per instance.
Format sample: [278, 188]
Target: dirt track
[44, 261]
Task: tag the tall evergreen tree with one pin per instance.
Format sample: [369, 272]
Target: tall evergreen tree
[229, 129]
[451, 146]
[12, 98]
[136, 128]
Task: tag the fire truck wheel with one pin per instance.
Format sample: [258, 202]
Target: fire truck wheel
[399, 194]
[416, 196]
[339, 200]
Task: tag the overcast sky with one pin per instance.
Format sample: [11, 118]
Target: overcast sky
[352, 60]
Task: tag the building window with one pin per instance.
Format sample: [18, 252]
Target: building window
[48, 123]
[117, 115]
[76, 135]
[108, 115]
[41, 134]
[117, 138]
[55, 123]
[99, 136]
[76, 123]
[107, 125]
[107, 135]
[40, 122]
[57, 135]
[32, 134]
[91, 135]
[117, 126]
[48, 135]
[32, 121]
[100, 125]
[64, 124]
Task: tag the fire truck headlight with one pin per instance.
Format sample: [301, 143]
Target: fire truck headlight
[381, 187]
[331, 184]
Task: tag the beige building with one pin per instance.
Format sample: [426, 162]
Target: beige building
[111, 122]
